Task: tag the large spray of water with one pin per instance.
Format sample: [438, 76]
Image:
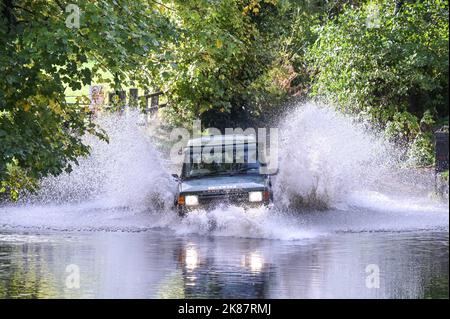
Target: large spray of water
[126, 172]
[325, 156]
[327, 162]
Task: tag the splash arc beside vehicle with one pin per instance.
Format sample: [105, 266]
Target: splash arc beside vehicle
[222, 170]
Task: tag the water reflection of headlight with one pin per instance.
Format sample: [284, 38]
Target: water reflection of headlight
[254, 261]
[191, 258]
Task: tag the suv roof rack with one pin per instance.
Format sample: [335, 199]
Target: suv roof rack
[230, 139]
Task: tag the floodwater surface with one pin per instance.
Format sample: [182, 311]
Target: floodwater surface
[350, 221]
[159, 263]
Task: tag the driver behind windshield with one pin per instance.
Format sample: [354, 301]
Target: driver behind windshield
[239, 161]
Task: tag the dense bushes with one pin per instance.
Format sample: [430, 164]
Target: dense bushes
[390, 65]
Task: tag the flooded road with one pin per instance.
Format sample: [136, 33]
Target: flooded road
[159, 263]
[108, 229]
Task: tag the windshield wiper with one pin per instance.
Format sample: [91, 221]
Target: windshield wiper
[245, 169]
[211, 174]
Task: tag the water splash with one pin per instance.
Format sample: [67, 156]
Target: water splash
[248, 223]
[327, 162]
[128, 171]
[326, 156]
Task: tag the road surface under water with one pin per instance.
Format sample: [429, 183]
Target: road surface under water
[302, 260]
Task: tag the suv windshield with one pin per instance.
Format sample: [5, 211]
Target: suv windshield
[198, 164]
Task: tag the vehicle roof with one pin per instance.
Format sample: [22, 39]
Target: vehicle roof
[229, 139]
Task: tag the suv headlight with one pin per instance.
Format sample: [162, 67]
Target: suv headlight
[191, 200]
[255, 196]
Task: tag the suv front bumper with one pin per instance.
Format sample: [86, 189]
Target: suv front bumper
[212, 199]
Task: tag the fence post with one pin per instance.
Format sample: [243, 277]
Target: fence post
[441, 155]
[111, 99]
[155, 102]
[146, 93]
[133, 99]
[122, 99]
[441, 149]
[146, 108]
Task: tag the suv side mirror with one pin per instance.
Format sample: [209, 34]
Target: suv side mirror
[265, 170]
[176, 177]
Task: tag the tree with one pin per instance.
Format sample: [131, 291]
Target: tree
[393, 72]
[223, 50]
[40, 55]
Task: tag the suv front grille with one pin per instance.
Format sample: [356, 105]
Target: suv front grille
[221, 196]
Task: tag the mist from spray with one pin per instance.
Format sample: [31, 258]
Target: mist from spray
[126, 172]
[334, 176]
[325, 156]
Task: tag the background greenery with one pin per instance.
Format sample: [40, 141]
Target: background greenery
[228, 62]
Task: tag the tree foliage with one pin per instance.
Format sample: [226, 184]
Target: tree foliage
[389, 64]
[221, 50]
[227, 62]
[41, 134]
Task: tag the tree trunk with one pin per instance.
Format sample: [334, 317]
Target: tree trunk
[7, 12]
